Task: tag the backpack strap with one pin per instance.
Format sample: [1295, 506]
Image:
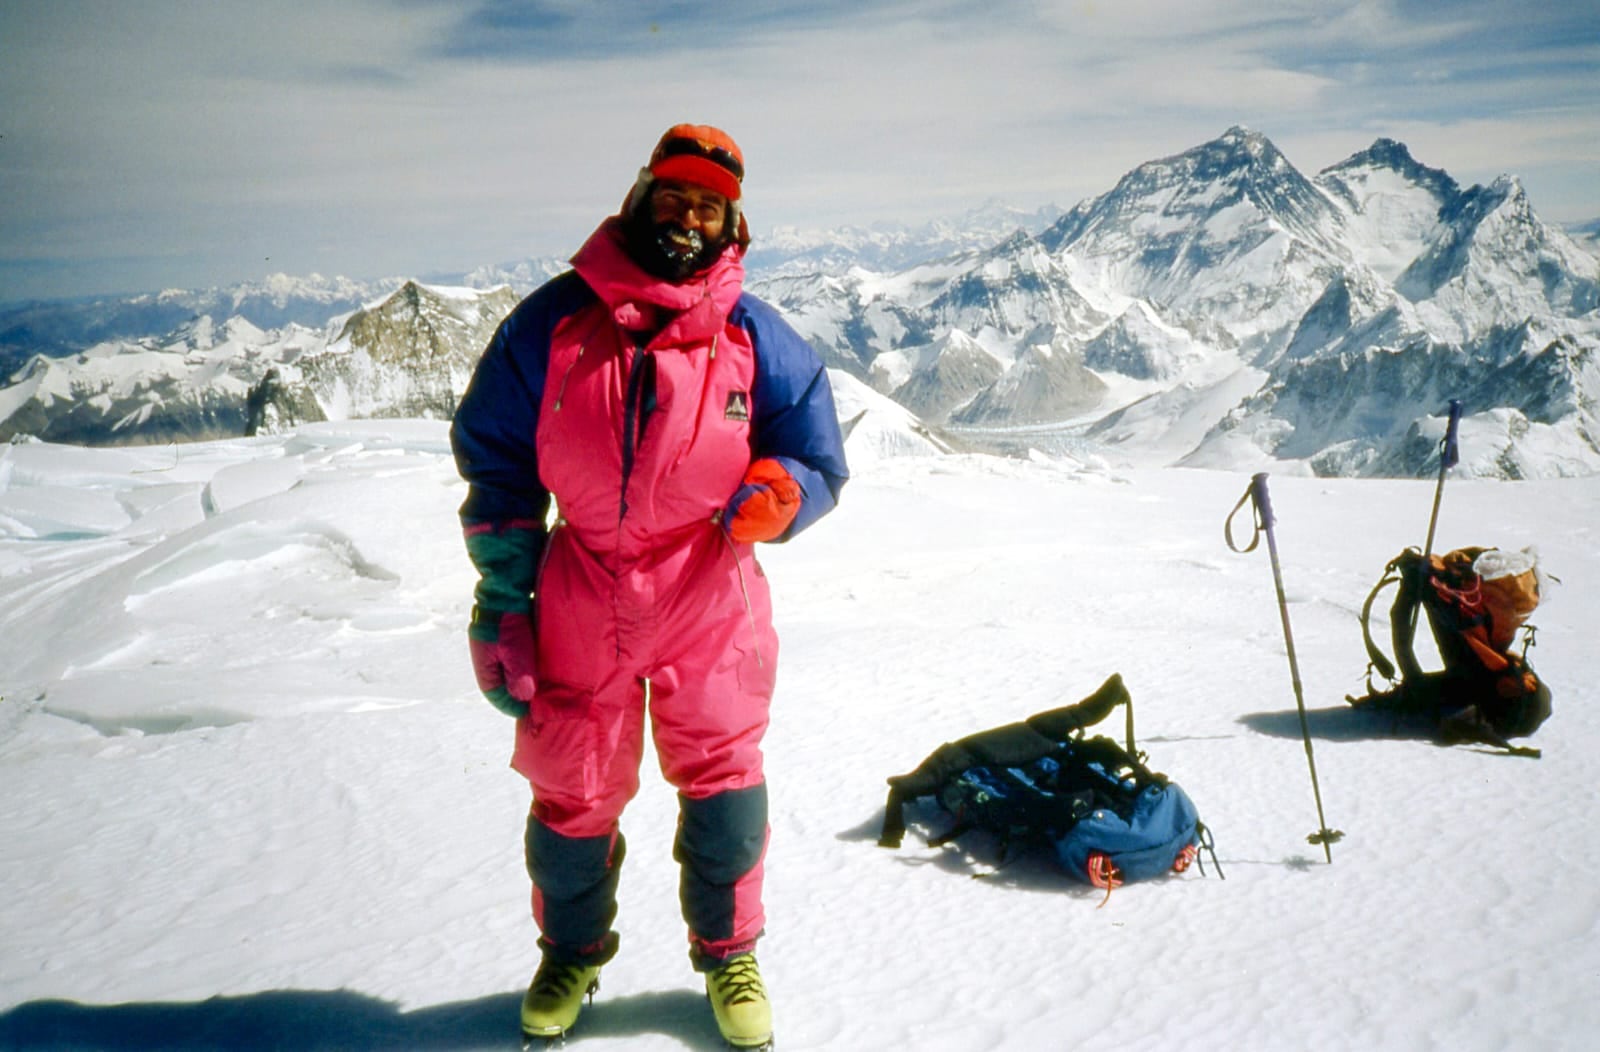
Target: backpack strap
[1377, 660]
[1404, 571]
[1414, 573]
[1061, 724]
[1013, 745]
[894, 819]
[946, 760]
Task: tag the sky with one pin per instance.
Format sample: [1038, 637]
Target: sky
[200, 143]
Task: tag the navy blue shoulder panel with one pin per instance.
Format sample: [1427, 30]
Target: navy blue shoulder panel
[794, 420]
[493, 432]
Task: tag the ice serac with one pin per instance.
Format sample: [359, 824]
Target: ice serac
[875, 426]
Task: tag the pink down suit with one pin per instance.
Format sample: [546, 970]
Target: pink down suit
[638, 405]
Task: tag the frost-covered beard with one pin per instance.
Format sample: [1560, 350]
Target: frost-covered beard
[667, 250]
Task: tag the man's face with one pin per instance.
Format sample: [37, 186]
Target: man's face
[691, 217]
[679, 230]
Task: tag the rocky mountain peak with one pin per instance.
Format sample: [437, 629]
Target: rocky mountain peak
[1239, 168]
[1388, 155]
[1496, 259]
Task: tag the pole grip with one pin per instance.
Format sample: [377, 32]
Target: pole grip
[1449, 450]
[1258, 493]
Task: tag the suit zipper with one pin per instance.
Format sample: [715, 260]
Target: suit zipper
[630, 427]
[562, 393]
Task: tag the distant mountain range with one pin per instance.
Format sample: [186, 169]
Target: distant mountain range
[1214, 308]
[58, 328]
[1240, 314]
[409, 355]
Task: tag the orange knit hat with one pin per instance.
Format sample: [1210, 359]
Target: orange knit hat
[701, 155]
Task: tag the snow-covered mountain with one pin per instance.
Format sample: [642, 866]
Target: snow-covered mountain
[1239, 312]
[58, 328]
[1139, 344]
[940, 336]
[1497, 308]
[192, 384]
[410, 355]
[1229, 231]
[522, 275]
[1586, 236]
[875, 426]
[1215, 307]
[61, 328]
[958, 369]
[1391, 205]
[407, 355]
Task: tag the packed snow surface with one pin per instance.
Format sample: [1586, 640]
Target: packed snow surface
[252, 798]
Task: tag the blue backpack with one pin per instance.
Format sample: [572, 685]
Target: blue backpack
[1041, 784]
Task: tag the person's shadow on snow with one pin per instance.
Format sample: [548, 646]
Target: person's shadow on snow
[325, 1020]
[1341, 723]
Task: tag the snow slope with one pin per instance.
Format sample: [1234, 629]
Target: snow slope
[253, 800]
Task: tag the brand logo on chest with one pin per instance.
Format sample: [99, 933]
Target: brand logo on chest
[738, 407]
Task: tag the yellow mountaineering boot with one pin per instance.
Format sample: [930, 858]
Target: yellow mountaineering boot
[555, 997]
[739, 1001]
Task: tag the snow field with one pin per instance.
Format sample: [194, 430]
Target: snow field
[252, 798]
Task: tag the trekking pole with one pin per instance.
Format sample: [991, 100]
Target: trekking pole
[1449, 457]
[1257, 494]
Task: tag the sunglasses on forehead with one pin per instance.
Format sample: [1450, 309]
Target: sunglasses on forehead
[696, 148]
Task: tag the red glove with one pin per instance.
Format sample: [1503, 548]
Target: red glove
[502, 659]
[765, 505]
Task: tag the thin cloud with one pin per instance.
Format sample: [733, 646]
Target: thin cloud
[523, 31]
[386, 137]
